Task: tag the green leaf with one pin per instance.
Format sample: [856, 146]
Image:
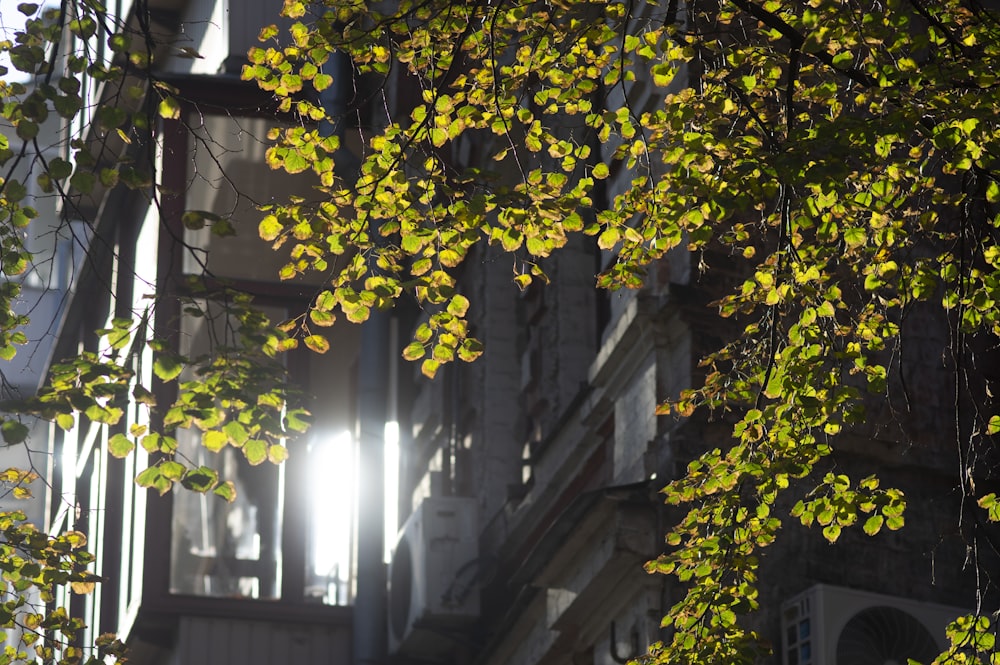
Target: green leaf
[255, 451]
[27, 130]
[855, 237]
[223, 228]
[172, 470]
[414, 351]
[429, 368]
[322, 81]
[14, 191]
[993, 191]
[317, 343]
[294, 162]
[143, 396]
[843, 59]
[270, 228]
[609, 238]
[458, 306]
[83, 27]
[356, 314]
[167, 366]
[297, 420]
[152, 478]
[169, 108]
[119, 338]
[120, 445]
[443, 353]
[202, 479]
[873, 524]
[83, 181]
[235, 433]
[193, 220]
[991, 504]
[470, 349]
[438, 136]
[150, 442]
[14, 432]
[214, 440]
[226, 490]
[59, 169]
[322, 319]
[277, 454]
[536, 246]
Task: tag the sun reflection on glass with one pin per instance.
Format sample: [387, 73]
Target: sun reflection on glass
[333, 466]
[333, 470]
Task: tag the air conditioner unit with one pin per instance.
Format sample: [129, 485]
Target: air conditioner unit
[828, 625]
[433, 577]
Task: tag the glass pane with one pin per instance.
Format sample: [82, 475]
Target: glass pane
[329, 489]
[228, 176]
[227, 549]
[332, 470]
[218, 548]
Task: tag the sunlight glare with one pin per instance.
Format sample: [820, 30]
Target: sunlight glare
[333, 470]
[391, 487]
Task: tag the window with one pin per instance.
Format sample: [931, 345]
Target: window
[288, 534]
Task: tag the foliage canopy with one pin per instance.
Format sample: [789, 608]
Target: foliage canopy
[78, 116]
[845, 154]
[842, 154]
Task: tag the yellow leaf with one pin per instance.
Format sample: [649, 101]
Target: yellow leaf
[270, 228]
[82, 588]
[170, 109]
[214, 440]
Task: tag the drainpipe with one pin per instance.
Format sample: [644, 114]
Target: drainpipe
[369, 632]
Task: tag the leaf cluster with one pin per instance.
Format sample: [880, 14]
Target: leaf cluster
[77, 120]
[34, 568]
[840, 157]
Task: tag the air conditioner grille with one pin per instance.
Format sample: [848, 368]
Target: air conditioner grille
[831, 625]
[432, 586]
[885, 635]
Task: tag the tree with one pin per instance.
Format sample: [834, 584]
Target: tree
[83, 95]
[843, 153]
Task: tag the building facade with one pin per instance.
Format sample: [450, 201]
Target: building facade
[528, 481]
[551, 448]
[189, 578]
